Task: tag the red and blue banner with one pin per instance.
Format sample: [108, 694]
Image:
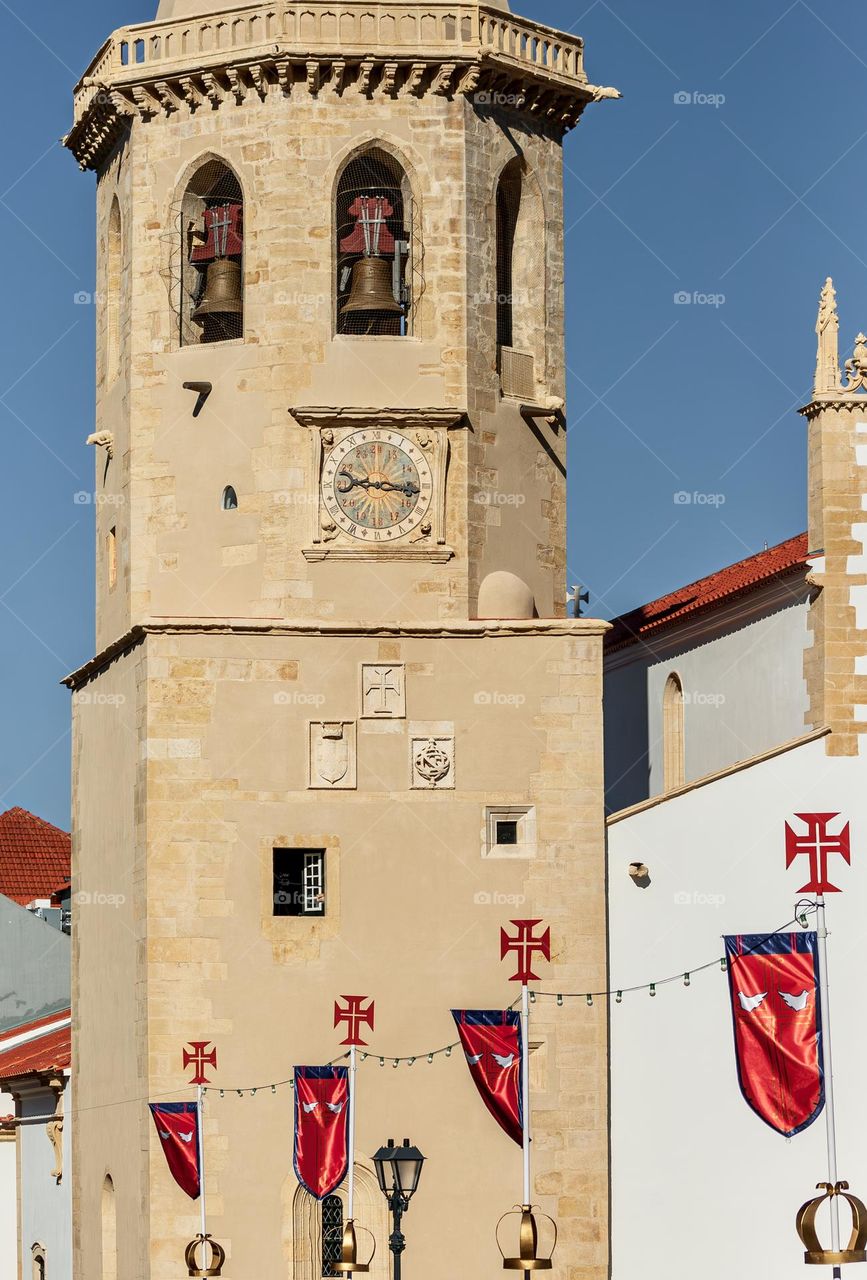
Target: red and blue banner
[491, 1040]
[177, 1125]
[774, 988]
[321, 1128]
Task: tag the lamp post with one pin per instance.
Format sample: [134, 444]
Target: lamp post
[398, 1170]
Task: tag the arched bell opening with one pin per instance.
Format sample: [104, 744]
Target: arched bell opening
[212, 256]
[372, 221]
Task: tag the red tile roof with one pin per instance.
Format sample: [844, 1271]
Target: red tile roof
[35, 856]
[48, 1051]
[707, 593]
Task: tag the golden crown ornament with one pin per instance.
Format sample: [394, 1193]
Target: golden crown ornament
[530, 1257]
[349, 1251]
[200, 1266]
[805, 1224]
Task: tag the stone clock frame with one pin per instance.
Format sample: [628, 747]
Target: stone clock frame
[428, 429]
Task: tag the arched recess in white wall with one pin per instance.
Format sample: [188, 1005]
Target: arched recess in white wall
[673, 743]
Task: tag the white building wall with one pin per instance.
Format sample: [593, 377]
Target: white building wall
[744, 693]
[8, 1183]
[46, 1206]
[699, 1184]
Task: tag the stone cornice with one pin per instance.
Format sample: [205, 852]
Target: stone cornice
[474, 629]
[408, 419]
[834, 400]
[388, 49]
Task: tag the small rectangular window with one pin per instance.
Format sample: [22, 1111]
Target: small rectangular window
[506, 831]
[111, 555]
[299, 882]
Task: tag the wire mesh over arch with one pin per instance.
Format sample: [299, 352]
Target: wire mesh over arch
[210, 231]
[376, 254]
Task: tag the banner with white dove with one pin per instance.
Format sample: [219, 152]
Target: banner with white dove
[321, 1128]
[491, 1040]
[177, 1125]
[774, 988]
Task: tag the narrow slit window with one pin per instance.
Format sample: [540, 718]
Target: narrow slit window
[299, 882]
[230, 499]
[332, 1234]
[111, 557]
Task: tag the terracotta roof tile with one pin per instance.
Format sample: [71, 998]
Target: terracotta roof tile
[735, 580]
[34, 856]
[50, 1050]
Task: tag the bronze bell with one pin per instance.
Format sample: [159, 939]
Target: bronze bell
[222, 292]
[371, 287]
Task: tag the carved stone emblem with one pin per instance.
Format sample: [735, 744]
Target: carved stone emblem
[433, 763]
[383, 691]
[332, 760]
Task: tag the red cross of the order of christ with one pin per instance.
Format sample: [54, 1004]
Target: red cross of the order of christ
[818, 844]
[355, 1018]
[524, 945]
[197, 1057]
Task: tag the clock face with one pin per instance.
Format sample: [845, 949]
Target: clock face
[376, 485]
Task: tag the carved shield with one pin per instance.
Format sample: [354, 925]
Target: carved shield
[331, 758]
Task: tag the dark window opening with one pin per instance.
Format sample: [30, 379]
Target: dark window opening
[212, 257]
[508, 208]
[332, 1233]
[230, 499]
[373, 289]
[299, 882]
[507, 831]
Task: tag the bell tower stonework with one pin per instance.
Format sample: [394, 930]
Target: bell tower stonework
[337, 730]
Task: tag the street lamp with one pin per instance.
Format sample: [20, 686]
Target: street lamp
[398, 1170]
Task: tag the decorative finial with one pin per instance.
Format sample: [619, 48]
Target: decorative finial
[828, 332]
[856, 366]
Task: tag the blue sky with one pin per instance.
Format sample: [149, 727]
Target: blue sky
[743, 199]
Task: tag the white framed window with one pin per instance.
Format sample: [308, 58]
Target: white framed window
[299, 882]
[509, 831]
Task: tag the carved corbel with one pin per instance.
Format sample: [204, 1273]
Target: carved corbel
[54, 1128]
[143, 100]
[442, 81]
[338, 75]
[314, 76]
[236, 84]
[389, 79]
[214, 91]
[470, 79]
[191, 93]
[283, 67]
[260, 82]
[166, 95]
[415, 78]
[365, 73]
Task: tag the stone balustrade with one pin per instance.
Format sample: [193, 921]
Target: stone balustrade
[440, 30]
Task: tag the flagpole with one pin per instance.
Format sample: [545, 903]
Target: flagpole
[200, 1126]
[525, 1085]
[351, 1189]
[827, 1070]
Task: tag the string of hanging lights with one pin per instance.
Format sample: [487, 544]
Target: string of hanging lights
[684, 976]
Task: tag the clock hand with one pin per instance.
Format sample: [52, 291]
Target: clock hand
[409, 488]
[384, 486]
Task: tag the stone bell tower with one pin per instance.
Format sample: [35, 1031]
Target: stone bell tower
[836, 661]
[337, 729]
